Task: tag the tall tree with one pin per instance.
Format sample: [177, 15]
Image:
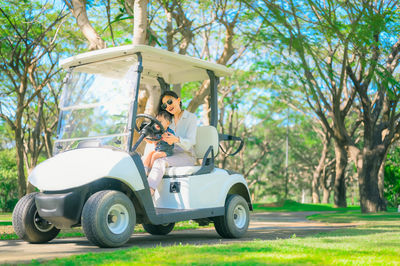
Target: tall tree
[28, 32]
[324, 84]
[345, 62]
[78, 9]
[317, 175]
[192, 27]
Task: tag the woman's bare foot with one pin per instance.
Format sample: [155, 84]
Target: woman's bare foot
[152, 191]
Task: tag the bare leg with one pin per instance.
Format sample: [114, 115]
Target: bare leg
[159, 166]
[154, 156]
[157, 155]
[147, 161]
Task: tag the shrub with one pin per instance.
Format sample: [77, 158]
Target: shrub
[392, 178]
[8, 180]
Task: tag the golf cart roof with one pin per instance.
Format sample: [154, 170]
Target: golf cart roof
[173, 68]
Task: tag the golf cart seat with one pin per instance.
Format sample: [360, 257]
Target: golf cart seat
[206, 148]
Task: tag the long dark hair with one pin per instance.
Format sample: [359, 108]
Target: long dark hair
[167, 93]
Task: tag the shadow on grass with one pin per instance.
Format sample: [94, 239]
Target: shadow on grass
[351, 217]
[354, 232]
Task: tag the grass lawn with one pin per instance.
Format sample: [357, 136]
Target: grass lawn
[5, 216]
[374, 243]
[293, 206]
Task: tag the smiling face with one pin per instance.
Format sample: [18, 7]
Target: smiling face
[171, 104]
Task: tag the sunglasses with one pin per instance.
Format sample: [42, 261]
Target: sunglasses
[164, 105]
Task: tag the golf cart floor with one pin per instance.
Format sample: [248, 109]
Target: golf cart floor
[170, 211]
[165, 215]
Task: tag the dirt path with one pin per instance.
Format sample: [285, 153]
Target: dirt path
[266, 226]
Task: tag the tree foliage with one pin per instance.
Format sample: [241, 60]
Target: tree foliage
[28, 66]
[392, 178]
[8, 180]
[344, 55]
[310, 73]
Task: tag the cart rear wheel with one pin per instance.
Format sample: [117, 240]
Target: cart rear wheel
[236, 219]
[108, 218]
[162, 229]
[27, 223]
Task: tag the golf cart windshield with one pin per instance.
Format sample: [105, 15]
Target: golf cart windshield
[101, 93]
[94, 107]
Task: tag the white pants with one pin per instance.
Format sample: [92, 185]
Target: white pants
[159, 166]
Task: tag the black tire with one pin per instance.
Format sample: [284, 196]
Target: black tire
[159, 230]
[108, 218]
[27, 223]
[235, 222]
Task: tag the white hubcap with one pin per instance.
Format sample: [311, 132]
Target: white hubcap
[41, 224]
[239, 216]
[117, 219]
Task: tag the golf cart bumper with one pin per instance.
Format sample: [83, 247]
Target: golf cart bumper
[61, 209]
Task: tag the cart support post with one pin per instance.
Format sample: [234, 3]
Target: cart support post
[214, 81]
[134, 105]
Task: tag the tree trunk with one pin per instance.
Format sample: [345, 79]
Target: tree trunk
[318, 171]
[139, 37]
[286, 184]
[327, 181]
[169, 30]
[142, 102]
[82, 20]
[381, 181]
[19, 146]
[199, 97]
[139, 22]
[206, 111]
[227, 53]
[153, 100]
[340, 184]
[314, 188]
[326, 194]
[368, 165]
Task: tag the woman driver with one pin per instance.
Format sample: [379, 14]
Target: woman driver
[184, 124]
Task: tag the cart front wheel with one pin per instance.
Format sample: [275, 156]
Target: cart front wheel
[27, 223]
[108, 218]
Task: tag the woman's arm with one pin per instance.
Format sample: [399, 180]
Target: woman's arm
[185, 141]
[189, 140]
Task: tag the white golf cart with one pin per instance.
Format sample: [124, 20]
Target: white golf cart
[96, 178]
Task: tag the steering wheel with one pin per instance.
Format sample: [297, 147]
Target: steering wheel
[149, 129]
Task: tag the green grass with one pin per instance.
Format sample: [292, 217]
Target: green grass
[375, 243]
[293, 206]
[5, 216]
[355, 217]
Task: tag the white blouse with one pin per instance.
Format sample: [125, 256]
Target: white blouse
[186, 130]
